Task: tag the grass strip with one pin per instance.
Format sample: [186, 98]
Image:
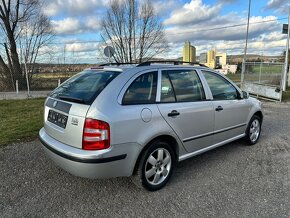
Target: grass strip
[20, 119]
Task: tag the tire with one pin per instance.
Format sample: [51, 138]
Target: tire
[155, 167]
[253, 131]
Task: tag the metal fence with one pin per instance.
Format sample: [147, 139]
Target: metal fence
[263, 79]
[38, 82]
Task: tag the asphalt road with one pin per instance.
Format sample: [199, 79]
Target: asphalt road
[231, 181]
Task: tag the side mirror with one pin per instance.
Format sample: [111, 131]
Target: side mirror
[245, 95]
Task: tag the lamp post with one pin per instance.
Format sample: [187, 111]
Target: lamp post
[246, 46]
[287, 55]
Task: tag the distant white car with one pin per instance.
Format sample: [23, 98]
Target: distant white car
[141, 121]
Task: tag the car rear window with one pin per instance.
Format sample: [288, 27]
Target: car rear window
[84, 87]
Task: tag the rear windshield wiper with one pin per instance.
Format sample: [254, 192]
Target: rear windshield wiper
[72, 99]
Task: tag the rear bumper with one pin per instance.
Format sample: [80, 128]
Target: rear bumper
[118, 160]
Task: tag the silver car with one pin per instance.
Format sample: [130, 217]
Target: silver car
[141, 121]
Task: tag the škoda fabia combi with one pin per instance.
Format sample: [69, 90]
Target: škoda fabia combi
[141, 121]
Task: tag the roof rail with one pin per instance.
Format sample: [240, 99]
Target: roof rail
[116, 64]
[148, 63]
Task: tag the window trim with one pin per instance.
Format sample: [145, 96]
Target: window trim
[225, 79]
[161, 89]
[130, 82]
[180, 69]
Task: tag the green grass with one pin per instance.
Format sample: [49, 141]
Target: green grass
[234, 77]
[266, 69]
[20, 120]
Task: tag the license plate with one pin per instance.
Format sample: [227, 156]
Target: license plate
[57, 118]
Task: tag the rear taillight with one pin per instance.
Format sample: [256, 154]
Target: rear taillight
[96, 135]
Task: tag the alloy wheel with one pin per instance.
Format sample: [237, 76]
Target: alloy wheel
[255, 130]
[158, 166]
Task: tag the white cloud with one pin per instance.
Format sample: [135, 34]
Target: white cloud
[51, 49]
[67, 26]
[51, 9]
[210, 31]
[227, 1]
[273, 37]
[75, 16]
[279, 6]
[82, 47]
[193, 13]
[93, 22]
[71, 25]
[73, 7]
[163, 8]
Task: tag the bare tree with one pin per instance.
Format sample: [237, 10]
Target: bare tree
[25, 30]
[35, 34]
[134, 30]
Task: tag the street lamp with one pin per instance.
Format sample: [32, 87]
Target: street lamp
[246, 46]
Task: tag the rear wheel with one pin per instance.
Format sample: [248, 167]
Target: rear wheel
[155, 166]
[254, 130]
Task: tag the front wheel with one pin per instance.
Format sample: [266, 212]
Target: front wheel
[254, 130]
[155, 167]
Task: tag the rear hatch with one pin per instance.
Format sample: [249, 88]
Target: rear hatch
[67, 106]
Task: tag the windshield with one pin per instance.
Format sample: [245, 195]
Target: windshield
[84, 87]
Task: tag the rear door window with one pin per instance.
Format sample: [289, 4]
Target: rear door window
[142, 90]
[84, 87]
[181, 86]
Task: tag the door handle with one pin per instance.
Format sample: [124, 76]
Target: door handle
[173, 113]
[219, 108]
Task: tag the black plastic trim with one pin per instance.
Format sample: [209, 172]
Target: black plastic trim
[61, 106]
[82, 160]
[214, 133]
[198, 137]
[231, 128]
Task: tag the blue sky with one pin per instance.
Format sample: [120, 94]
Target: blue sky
[77, 21]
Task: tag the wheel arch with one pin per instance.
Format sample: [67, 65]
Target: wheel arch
[166, 138]
[259, 114]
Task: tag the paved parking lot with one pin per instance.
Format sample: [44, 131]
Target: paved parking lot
[232, 181]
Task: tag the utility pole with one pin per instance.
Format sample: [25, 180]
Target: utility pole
[246, 46]
[64, 54]
[134, 32]
[287, 55]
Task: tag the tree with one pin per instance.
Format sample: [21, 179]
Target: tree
[36, 33]
[24, 31]
[134, 30]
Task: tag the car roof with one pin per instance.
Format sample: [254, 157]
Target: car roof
[161, 66]
[132, 69]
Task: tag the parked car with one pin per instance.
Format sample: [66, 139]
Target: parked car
[141, 121]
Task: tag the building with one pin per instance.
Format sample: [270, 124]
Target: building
[220, 60]
[203, 58]
[213, 59]
[228, 69]
[189, 52]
